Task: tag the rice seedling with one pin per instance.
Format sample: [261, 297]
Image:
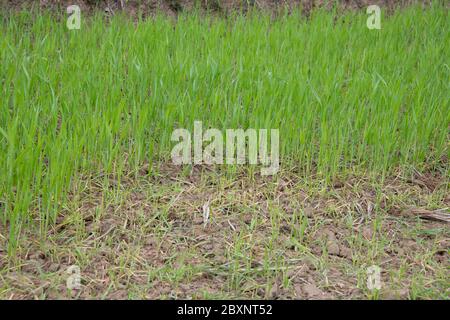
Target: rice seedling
[103, 100]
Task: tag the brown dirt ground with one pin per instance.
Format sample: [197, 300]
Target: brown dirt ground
[172, 7]
[278, 237]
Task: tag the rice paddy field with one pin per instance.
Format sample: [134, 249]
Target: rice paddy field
[86, 176]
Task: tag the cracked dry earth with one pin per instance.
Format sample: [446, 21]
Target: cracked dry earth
[282, 237]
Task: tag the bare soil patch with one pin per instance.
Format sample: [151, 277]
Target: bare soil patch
[283, 237]
[173, 7]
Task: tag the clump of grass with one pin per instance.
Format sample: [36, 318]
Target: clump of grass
[105, 99]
